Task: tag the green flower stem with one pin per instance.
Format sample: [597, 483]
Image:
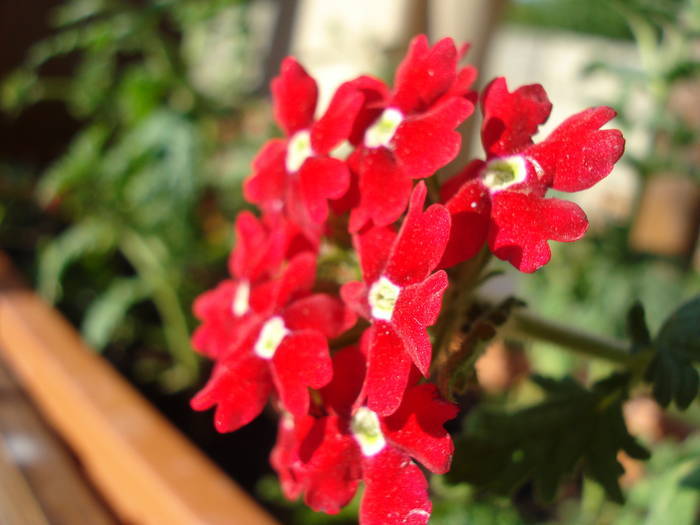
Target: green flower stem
[144, 257]
[456, 302]
[525, 324]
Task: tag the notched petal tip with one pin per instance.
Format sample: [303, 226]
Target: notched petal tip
[294, 95]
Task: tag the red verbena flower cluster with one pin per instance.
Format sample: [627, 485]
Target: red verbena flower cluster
[347, 360]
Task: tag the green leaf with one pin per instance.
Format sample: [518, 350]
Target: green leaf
[547, 442]
[637, 327]
[107, 311]
[89, 236]
[154, 168]
[677, 346]
[673, 500]
[77, 165]
[692, 480]
[19, 89]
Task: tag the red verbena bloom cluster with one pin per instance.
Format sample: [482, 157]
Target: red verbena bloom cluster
[347, 363]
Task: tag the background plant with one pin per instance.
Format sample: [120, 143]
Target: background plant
[144, 182]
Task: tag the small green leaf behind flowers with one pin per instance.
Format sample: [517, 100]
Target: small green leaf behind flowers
[107, 312]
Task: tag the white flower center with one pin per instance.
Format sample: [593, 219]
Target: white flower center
[504, 172]
[382, 131]
[342, 150]
[239, 305]
[298, 150]
[382, 298]
[367, 432]
[271, 335]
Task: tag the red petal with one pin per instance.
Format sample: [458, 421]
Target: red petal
[240, 388]
[319, 312]
[452, 185]
[373, 247]
[578, 154]
[294, 93]
[420, 242]
[524, 223]
[266, 186]
[297, 278]
[424, 74]
[349, 367]
[418, 306]
[462, 85]
[417, 427]
[257, 250]
[470, 211]
[388, 369]
[350, 198]
[301, 361]
[296, 241]
[384, 190]
[336, 123]
[220, 328]
[212, 303]
[511, 119]
[322, 178]
[396, 491]
[425, 143]
[284, 457]
[298, 212]
[250, 238]
[375, 95]
[354, 295]
[332, 466]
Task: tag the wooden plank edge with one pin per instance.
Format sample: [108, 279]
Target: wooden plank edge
[55, 478]
[145, 469]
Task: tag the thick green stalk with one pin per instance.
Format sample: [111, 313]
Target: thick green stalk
[525, 324]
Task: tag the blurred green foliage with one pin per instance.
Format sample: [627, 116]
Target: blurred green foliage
[593, 17]
[666, 36]
[165, 90]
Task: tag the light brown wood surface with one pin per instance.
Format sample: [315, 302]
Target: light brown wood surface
[41, 481]
[144, 468]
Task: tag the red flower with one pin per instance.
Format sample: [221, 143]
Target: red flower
[412, 134]
[282, 348]
[502, 200]
[258, 254]
[299, 174]
[400, 297]
[325, 458]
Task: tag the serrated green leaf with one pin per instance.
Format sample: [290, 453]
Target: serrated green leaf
[677, 346]
[680, 333]
[108, 310]
[547, 442]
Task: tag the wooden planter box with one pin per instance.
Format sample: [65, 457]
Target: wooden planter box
[146, 471]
